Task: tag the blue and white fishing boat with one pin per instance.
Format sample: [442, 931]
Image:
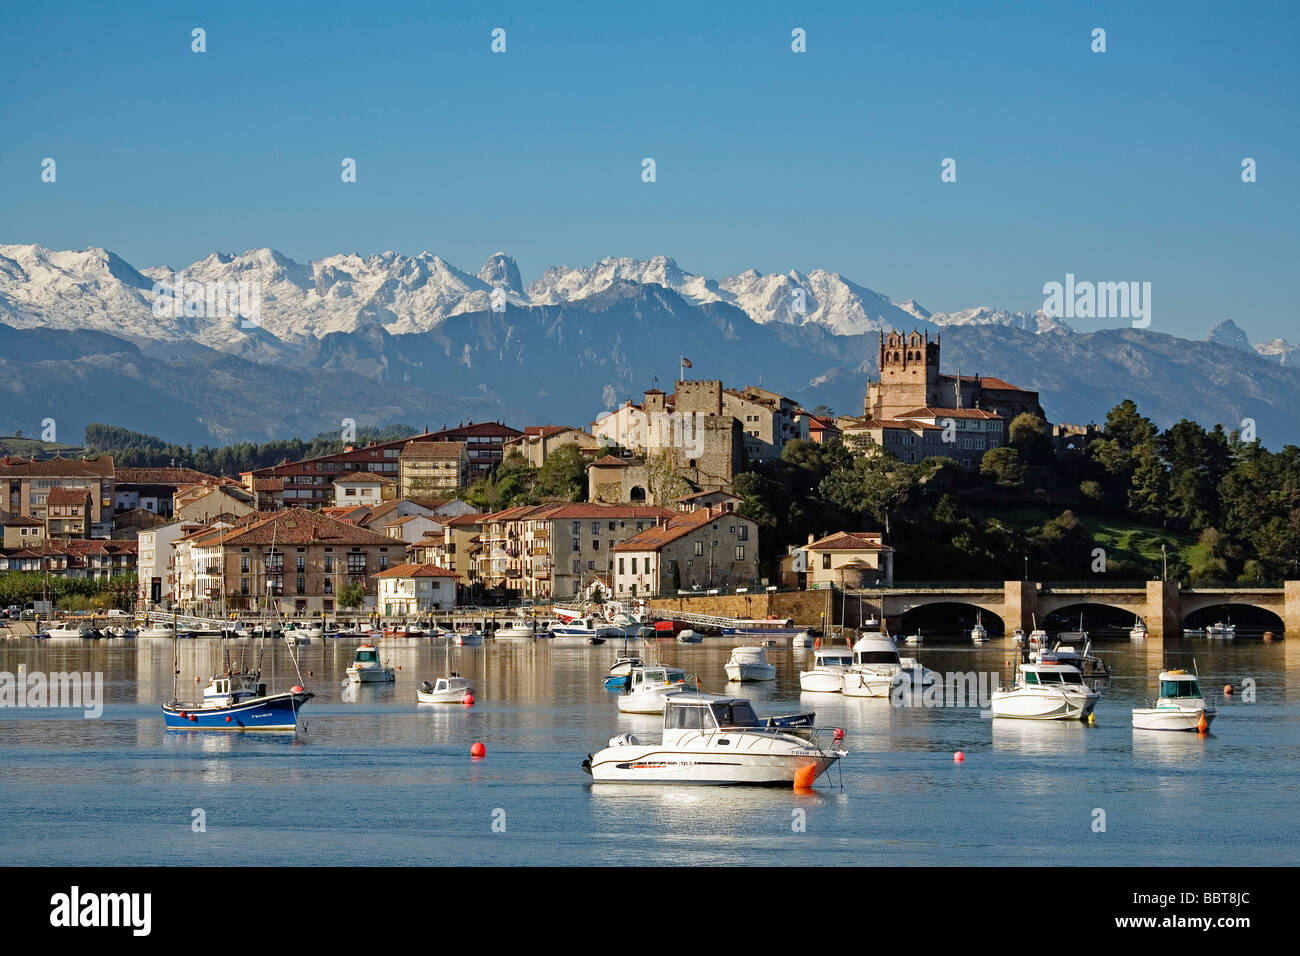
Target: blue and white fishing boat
[238, 702]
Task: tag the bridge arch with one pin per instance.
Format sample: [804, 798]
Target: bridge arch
[950, 616]
[1249, 617]
[1098, 616]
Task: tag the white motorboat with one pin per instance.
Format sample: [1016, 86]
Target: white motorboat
[709, 739]
[803, 639]
[64, 631]
[687, 636]
[830, 664]
[581, 629]
[120, 630]
[1139, 631]
[648, 687]
[444, 690]
[468, 638]
[914, 640]
[519, 629]
[979, 634]
[1222, 631]
[155, 633]
[1089, 665]
[367, 668]
[623, 666]
[876, 668]
[1048, 691]
[1181, 705]
[749, 663]
[1038, 637]
[1018, 637]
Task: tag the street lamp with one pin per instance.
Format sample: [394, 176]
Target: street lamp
[1164, 564]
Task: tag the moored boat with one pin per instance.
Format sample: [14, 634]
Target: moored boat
[1181, 705]
[830, 664]
[367, 668]
[710, 739]
[749, 663]
[1047, 691]
[648, 687]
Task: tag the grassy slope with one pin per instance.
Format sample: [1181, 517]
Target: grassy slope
[1122, 539]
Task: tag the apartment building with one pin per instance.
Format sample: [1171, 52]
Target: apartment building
[708, 547]
[25, 486]
[430, 468]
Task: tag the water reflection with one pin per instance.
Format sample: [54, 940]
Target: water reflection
[1039, 736]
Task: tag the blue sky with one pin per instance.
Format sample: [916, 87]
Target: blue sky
[1123, 165]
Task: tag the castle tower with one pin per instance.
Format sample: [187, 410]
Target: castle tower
[909, 374]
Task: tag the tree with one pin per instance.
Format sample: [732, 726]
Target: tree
[1005, 466]
[563, 475]
[352, 594]
[1028, 435]
[1149, 493]
[877, 485]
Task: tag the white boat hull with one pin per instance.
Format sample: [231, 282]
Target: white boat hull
[454, 694]
[469, 640]
[708, 765]
[1172, 718]
[859, 684]
[821, 682]
[649, 700]
[750, 672]
[371, 675]
[1038, 705]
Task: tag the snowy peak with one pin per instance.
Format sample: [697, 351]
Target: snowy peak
[501, 271]
[1229, 333]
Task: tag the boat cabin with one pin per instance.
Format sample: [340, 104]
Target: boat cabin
[227, 689]
[642, 676]
[706, 712]
[875, 649]
[834, 657]
[1050, 674]
[366, 654]
[1179, 684]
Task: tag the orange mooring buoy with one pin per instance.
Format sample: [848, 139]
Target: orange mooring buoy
[477, 750]
[1227, 690]
[804, 776]
[1202, 725]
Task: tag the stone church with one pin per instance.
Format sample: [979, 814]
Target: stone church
[911, 384]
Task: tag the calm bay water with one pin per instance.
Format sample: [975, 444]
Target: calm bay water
[377, 779]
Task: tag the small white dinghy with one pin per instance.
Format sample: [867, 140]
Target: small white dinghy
[687, 636]
[648, 687]
[468, 638]
[749, 664]
[1181, 705]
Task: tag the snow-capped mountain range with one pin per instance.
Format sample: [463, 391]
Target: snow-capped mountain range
[86, 336]
[96, 289]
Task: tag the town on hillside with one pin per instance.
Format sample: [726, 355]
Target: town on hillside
[707, 489]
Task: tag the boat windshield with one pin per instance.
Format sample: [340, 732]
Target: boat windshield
[687, 717]
[876, 657]
[738, 714]
[1180, 688]
[1054, 677]
[827, 661]
[366, 657]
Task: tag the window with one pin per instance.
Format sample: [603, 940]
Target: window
[577, 567]
[740, 552]
[595, 544]
[620, 567]
[591, 565]
[302, 563]
[577, 527]
[329, 585]
[577, 545]
[595, 527]
[302, 584]
[743, 533]
[329, 564]
[633, 565]
[826, 562]
[699, 547]
[243, 564]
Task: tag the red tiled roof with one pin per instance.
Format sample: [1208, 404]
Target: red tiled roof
[850, 541]
[433, 450]
[416, 571]
[583, 510]
[701, 494]
[612, 461]
[931, 412]
[682, 524]
[295, 526]
[56, 467]
[67, 496]
[363, 477]
[164, 476]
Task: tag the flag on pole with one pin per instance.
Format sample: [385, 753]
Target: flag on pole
[686, 363]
